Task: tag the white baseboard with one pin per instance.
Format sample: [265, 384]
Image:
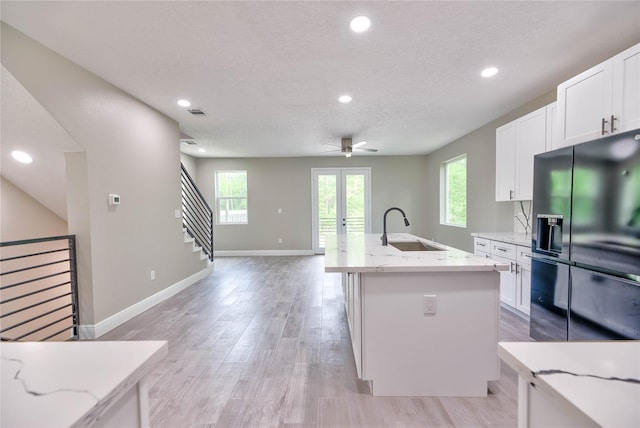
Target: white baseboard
[250, 253]
[93, 331]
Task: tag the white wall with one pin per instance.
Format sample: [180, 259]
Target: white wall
[131, 150]
[286, 183]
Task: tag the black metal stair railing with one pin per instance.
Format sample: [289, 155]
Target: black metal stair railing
[197, 215]
[39, 289]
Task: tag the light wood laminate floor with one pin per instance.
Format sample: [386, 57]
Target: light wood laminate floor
[263, 341]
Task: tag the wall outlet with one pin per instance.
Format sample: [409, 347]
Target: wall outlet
[279, 240]
[178, 213]
[152, 275]
[279, 210]
[430, 304]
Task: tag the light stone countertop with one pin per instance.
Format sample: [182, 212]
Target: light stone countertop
[365, 253]
[599, 379]
[508, 237]
[64, 384]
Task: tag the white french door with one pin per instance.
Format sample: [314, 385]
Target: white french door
[341, 203]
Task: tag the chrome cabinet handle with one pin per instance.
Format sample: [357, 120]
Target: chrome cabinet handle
[501, 249]
[613, 128]
[604, 122]
[510, 194]
[481, 245]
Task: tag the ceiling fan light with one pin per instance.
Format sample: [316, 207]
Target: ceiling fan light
[348, 155]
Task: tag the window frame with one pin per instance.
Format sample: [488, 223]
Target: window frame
[444, 191]
[218, 198]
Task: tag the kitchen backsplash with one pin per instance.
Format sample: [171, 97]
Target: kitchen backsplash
[522, 217]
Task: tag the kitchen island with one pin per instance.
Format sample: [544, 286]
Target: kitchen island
[422, 323]
[77, 384]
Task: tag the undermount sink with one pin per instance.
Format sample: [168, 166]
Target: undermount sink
[414, 246]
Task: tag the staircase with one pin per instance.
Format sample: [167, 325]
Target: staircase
[197, 217]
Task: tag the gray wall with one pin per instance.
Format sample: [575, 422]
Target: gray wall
[22, 217]
[132, 150]
[484, 214]
[286, 183]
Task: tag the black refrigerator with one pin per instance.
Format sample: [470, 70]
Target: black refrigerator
[585, 271]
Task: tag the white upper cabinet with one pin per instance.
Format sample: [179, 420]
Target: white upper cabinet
[517, 143]
[626, 89]
[505, 165]
[600, 101]
[531, 138]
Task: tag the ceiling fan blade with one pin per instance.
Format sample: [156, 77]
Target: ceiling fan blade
[332, 145]
[365, 150]
[356, 145]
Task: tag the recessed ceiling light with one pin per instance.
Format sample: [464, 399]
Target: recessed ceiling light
[201, 150]
[345, 99]
[184, 103]
[489, 71]
[360, 24]
[21, 156]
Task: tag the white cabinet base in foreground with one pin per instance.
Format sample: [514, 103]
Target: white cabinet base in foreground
[450, 353]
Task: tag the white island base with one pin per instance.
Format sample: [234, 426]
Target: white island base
[405, 352]
[398, 346]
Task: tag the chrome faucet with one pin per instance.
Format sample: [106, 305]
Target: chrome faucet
[384, 223]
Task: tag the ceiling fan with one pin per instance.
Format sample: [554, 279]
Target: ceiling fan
[347, 147]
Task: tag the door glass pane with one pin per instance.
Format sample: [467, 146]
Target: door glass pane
[327, 220]
[355, 202]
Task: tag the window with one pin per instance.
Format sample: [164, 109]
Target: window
[453, 192]
[231, 197]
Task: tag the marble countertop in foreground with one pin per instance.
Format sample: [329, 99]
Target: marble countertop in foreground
[365, 253]
[511, 238]
[599, 379]
[64, 384]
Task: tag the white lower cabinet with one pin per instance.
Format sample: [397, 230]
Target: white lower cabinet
[507, 281]
[515, 283]
[523, 279]
[351, 286]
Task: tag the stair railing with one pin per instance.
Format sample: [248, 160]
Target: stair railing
[39, 289]
[197, 215]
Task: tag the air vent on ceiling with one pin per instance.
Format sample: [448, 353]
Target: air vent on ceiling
[196, 112]
[188, 142]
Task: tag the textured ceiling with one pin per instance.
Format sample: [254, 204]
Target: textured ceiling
[269, 73]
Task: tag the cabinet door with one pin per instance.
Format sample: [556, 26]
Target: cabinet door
[505, 165]
[523, 291]
[531, 136]
[626, 89]
[583, 103]
[552, 125]
[356, 329]
[507, 281]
